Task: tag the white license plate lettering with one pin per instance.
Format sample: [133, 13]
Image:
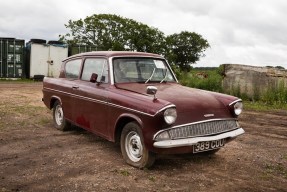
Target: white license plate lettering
[208, 145]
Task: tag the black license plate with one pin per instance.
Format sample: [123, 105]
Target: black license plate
[208, 145]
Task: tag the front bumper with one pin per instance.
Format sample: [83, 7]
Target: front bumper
[194, 140]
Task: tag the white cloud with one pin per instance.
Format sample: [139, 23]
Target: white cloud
[246, 31]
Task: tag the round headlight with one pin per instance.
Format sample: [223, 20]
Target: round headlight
[170, 115]
[238, 108]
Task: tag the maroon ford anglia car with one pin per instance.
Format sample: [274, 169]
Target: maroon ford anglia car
[135, 99]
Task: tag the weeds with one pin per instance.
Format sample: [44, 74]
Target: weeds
[275, 169]
[275, 94]
[125, 172]
[208, 80]
[122, 172]
[273, 97]
[17, 80]
[151, 178]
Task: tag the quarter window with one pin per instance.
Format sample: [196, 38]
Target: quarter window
[72, 68]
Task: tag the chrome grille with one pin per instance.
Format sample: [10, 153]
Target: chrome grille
[203, 128]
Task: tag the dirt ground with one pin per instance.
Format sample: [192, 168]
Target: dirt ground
[34, 156]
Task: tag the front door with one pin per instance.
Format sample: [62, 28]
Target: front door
[91, 98]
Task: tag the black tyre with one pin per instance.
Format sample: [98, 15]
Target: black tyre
[133, 149]
[59, 118]
[38, 77]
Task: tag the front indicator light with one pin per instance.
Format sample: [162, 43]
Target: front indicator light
[162, 136]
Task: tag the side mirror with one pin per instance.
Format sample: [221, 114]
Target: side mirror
[151, 90]
[94, 78]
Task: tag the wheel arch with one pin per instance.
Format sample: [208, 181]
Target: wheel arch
[53, 100]
[122, 121]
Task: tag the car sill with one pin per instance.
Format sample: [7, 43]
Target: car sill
[192, 141]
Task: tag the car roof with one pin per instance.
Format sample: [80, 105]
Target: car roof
[116, 54]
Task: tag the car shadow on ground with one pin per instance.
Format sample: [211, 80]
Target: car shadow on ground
[162, 162]
[180, 161]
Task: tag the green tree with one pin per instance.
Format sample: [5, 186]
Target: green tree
[185, 48]
[112, 32]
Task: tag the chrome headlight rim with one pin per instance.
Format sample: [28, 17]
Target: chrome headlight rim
[238, 108]
[170, 115]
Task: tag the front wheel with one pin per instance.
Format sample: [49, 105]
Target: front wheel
[59, 118]
[133, 150]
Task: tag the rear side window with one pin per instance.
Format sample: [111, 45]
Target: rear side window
[72, 68]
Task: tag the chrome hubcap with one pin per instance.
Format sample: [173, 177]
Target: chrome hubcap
[59, 115]
[133, 146]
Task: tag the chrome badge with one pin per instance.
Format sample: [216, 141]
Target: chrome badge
[209, 115]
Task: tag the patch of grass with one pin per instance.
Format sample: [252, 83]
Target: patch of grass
[20, 113]
[17, 80]
[27, 109]
[45, 120]
[208, 80]
[261, 106]
[265, 176]
[274, 169]
[122, 172]
[275, 94]
[151, 178]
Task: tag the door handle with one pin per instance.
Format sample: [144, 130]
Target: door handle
[75, 87]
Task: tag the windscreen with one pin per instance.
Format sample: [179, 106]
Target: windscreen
[141, 70]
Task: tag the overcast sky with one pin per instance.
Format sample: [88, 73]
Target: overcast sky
[252, 32]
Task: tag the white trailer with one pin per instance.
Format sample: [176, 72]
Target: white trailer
[45, 60]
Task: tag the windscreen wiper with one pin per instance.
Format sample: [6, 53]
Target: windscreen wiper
[150, 76]
[165, 75]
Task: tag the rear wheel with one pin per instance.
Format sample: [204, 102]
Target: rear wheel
[59, 118]
[133, 150]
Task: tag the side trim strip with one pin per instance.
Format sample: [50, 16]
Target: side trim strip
[192, 141]
[109, 104]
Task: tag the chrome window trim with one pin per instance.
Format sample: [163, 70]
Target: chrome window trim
[80, 67]
[238, 100]
[105, 64]
[171, 71]
[112, 69]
